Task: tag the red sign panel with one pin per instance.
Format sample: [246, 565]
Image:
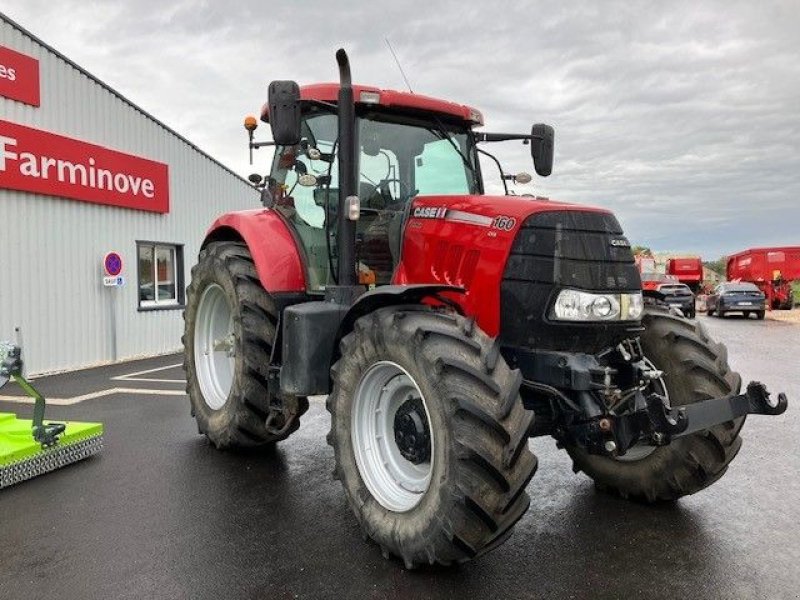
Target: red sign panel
[19, 76]
[41, 162]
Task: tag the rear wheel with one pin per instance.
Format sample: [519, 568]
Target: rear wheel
[760, 315]
[746, 314]
[696, 369]
[230, 329]
[430, 436]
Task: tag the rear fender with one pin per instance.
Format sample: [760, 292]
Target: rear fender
[277, 256]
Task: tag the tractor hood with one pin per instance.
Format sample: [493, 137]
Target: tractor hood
[510, 211]
[514, 249]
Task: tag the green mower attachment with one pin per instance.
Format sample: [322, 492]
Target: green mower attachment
[31, 447]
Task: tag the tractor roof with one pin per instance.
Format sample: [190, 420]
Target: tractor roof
[364, 94]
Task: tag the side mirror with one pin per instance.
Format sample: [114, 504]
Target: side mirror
[284, 112]
[543, 139]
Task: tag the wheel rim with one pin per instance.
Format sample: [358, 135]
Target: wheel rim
[214, 347]
[640, 451]
[387, 405]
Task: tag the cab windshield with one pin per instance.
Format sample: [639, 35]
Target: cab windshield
[399, 158]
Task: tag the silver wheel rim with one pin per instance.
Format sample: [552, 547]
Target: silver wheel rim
[214, 347]
[395, 482]
[640, 451]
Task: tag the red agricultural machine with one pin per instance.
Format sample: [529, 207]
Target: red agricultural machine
[688, 270]
[651, 278]
[445, 326]
[772, 269]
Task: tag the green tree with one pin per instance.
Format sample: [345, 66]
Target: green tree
[718, 266]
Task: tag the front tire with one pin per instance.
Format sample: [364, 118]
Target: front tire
[230, 326]
[458, 496]
[696, 368]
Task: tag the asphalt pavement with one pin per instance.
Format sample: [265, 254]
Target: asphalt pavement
[161, 514]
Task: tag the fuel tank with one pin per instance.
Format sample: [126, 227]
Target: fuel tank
[512, 254]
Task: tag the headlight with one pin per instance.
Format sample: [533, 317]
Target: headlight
[574, 305]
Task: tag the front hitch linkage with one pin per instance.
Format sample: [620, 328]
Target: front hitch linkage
[657, 423]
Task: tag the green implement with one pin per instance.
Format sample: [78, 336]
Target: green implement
[31, 447]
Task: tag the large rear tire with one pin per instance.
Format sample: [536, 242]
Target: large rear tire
[458, 496]
[696, 368]
[230, 327]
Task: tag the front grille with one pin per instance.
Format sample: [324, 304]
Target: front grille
[558, 249]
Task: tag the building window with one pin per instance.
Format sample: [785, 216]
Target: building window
[160, 275]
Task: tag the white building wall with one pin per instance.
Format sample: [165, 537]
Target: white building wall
[51, 248]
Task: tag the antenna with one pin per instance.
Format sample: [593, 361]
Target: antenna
[399, 66]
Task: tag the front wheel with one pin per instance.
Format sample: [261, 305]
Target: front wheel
[695, 369]
[430, 436]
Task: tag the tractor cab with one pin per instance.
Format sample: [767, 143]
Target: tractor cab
[406, 146]
[399, 156]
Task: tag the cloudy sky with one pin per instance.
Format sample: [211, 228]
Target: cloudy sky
[682, 117]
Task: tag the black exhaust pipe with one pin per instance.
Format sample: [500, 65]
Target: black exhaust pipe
[347, 172]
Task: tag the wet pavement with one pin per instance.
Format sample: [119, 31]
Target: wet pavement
[161, 514]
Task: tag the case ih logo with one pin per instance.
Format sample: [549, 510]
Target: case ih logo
[19, 76]
[45, 163]
[504, 223]
[430, 212]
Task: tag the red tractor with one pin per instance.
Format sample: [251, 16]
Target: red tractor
[445, 326]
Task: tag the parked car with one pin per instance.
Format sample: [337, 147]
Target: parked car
[678, 295]
[742, 297]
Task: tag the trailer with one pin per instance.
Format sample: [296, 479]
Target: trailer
[772, 269]
[688, 270]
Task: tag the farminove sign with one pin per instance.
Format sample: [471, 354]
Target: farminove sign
[19, 76]
[32, 160]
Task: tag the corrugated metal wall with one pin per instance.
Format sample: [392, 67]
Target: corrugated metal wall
[51, 249]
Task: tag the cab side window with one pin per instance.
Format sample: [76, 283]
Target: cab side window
[303, 180]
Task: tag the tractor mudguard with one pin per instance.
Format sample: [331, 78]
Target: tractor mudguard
[390, 295]
[312, 331]
[277, 255]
